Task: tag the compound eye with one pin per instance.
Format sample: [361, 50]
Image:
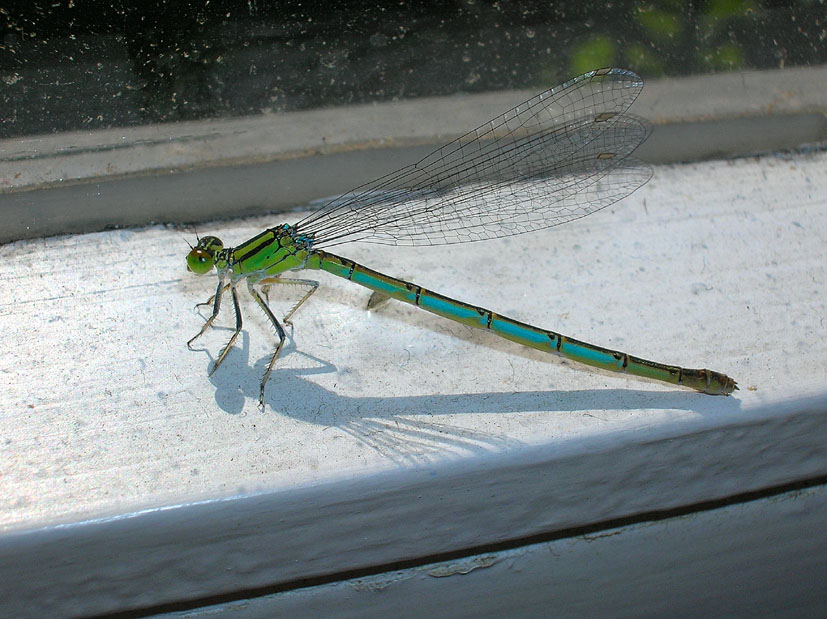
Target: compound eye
[199, 261]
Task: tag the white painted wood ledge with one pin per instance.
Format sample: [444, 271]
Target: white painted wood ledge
[132, 480]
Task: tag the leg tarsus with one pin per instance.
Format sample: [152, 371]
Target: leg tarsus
[266, 284]
[235, 334]
[216, 308]
[281, 335]
[210, 300]
[314, 286]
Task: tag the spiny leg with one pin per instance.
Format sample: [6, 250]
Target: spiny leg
[235, 334]
[279, 331]
[216, 308]
[210, 300]
[267, 283]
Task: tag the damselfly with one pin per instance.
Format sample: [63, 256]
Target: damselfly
[559, 156]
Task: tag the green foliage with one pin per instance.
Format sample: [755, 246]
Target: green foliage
[661, 26]
[725, 57]
[667, 36]
[644, 60]
[598, 51]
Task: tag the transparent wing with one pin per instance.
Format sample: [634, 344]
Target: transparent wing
[559, 156]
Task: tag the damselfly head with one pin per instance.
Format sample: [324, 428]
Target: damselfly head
[201, 258]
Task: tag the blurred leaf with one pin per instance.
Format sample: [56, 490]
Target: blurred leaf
[720, 13]
[724, 9]
[596, 52]
[724, 58]
[644, 61]
[661, 26]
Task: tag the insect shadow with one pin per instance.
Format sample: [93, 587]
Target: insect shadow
[410, 429]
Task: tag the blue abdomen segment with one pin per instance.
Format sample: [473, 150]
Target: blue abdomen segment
[455, 310]
[703, 380]
[524, 334]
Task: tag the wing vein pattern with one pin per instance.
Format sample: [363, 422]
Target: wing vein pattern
[561, 155]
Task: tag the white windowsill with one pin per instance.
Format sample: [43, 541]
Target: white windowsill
[394, 434]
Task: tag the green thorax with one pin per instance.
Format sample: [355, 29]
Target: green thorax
[270, 253]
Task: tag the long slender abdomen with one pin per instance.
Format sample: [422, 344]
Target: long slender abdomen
[706, 381]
